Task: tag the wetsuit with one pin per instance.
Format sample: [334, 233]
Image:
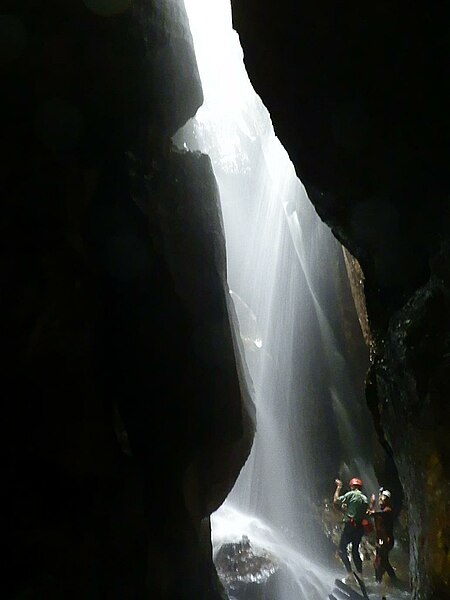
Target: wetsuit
[356, 505]
[384, 531]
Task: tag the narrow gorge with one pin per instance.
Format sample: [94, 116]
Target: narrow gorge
[196, 342]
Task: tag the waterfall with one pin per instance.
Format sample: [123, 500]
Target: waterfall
[285, 270]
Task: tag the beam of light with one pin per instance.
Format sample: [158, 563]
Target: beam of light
[278, 253]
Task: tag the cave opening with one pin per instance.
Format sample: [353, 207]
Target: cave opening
[299, 335]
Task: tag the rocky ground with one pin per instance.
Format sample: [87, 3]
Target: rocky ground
[244, 569]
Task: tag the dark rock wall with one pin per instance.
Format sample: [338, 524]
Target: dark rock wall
[124, 423]
[412, 374]
[358, 96]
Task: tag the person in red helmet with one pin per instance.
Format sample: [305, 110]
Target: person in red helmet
[355, 506]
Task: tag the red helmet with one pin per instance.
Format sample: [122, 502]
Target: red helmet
[356, 481]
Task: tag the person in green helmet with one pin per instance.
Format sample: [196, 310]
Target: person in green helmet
[355, 506]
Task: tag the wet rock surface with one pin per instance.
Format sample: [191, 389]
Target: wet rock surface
[245, 570]
[413, 379]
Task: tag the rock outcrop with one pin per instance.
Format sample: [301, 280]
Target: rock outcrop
[358, 97]
[246, 570]
[124, 421]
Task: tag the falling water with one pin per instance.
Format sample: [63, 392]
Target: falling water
[284, 269]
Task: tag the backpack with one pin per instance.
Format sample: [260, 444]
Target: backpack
[367, 526]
